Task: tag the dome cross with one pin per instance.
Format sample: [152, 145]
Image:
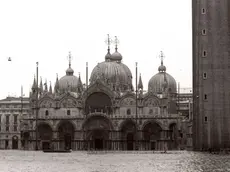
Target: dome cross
[116, 42]
[70, 58]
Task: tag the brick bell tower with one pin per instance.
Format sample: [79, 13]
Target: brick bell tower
[211, 74]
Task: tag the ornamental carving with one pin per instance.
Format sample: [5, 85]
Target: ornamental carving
[46, 104]
[151, 102]
[68, 103]
[128, 102]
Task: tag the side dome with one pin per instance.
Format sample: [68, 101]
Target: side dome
[161, 81]
[116, 75]
[69, 82]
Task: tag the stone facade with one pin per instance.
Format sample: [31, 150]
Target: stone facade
[211, 81]
[12, 110]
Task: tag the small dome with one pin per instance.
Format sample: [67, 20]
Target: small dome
[161, 81]
[108, 56]
[68, 82]
[162, 68]
[69, 71]
[116, 56]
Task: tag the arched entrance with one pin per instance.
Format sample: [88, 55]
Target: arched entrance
[98, 102]
[97, 130]
[15, 142]
[25, 135]
[45, 135]
[173, 136]
[128, 135]
[66, 135]
[152, 136]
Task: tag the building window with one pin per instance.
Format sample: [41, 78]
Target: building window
[205, 119]
[68, 112]
[7, 119]
[203, 32]
[128, 112]
[205, 97]
[47, 112]
[15, 127]
[204, 75]
[7, 128]
[203, 11]
[204, 54]
[15, 119]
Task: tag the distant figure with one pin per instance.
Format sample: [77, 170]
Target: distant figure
[9, 59]
[165, 147]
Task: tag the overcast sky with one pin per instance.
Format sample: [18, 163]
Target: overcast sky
[46, 30]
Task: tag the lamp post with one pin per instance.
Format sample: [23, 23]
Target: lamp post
[36, 109]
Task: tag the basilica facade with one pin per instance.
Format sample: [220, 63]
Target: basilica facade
[106, 114]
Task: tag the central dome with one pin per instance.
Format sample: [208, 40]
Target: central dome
[115, 74]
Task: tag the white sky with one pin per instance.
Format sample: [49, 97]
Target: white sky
[46, 30]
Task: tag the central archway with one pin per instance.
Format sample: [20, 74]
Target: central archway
[97, 130]
[66, 135]
[98, 102]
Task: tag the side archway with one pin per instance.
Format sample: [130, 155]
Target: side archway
[151, 134]
[173, 136]
[128, 135]
[45, 135]
[66, 135]
[15, 142]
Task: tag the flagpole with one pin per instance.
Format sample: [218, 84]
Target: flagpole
[36, 109]
[136, 108]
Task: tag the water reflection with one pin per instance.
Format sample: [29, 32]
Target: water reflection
[178, 161]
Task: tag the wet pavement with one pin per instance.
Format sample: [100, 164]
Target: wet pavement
[178, 161]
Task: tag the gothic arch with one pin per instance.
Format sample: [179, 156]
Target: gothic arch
[98, 87]
[151, 100]
[122, 124]
[46, 102]
[61, 122]
[151, 122]
[95, 117]
[44, 123]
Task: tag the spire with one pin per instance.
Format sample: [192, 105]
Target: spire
[56, 87]
[70, 59]
[116, 41]
[46, 87]
[79, 84]
[50, 89]
[108, 42]
[140, 84]
[70, 71]
[41, 86]
[34, 83]
[162, 68]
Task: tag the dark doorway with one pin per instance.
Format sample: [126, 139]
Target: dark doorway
[153, 145]
[98, 143]
[15, 142]
[45, 145]
[130, 141]
[67, 140]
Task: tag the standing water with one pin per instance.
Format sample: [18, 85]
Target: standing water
[178, 161]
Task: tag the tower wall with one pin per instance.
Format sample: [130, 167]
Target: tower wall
[211, 69]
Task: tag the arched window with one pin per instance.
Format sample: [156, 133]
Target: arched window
[47, 112]
[128, 112]
[68, 112]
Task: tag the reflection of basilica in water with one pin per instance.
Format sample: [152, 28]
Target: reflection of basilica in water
[106, 113]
